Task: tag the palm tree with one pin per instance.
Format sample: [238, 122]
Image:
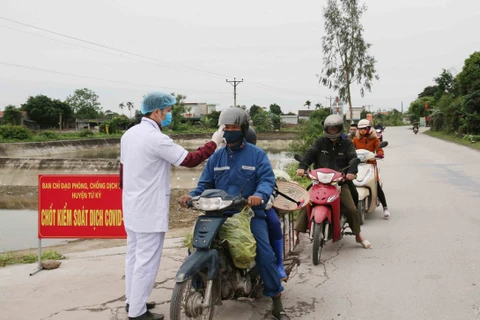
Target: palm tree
[318, 106]
[130, 108]
[308, 103]
[121, 105]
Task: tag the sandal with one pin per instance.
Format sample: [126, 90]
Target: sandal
[281, 316]
[365, 244]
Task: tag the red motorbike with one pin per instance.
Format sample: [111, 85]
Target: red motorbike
[325, 220]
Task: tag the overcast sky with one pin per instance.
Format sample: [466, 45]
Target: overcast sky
[191, 47]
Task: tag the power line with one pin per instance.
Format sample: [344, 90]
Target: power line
[108, 47]
[258, 84]
[101, 79]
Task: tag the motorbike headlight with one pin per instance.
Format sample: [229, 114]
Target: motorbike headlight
[212, 204]
[325, 177]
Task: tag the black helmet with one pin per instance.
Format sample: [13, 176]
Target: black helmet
[235, 115]
[251, 136]
[333, 121]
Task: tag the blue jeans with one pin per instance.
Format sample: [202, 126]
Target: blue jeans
[265, 258]
[275, 231]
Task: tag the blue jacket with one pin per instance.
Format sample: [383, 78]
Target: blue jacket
[244, 168]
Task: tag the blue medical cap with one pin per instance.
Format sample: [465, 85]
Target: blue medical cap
[157, 100]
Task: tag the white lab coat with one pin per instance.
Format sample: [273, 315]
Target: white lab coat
[146, 154]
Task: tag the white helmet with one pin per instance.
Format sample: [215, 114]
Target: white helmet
[364, 123]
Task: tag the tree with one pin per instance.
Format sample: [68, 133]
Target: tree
[253, 110]
[262, 121]
[468, 80]
[417, 108]
[428, 92]
[275, 109]
[445, 84]
[130, 108]
[12, 115]
[308, 103]
[346, 59]
[121, 106]
[46, 111]
[84, 103]
[178, 110]
[213, 118]
[318, 105]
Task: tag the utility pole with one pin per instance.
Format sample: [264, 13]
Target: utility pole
[402, 106]
[234, 83]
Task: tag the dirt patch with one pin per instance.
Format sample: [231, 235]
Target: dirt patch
[26, 197]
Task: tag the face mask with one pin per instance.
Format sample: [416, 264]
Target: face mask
[232, 136]
[167, 120]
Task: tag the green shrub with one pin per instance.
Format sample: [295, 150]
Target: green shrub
[85, 133]
[48, 135]
[15, 133]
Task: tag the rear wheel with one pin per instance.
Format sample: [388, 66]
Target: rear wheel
[187, 298]
[318, 242]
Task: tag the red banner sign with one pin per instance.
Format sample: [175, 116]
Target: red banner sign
[80, 206]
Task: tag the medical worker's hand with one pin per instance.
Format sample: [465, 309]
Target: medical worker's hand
[254, 201]
[183, 200]
[217, 136]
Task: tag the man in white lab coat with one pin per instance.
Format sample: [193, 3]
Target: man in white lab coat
[146, 156]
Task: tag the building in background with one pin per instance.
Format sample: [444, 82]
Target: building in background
[195, 111]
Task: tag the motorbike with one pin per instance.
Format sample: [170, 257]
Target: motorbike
[415, 130]
[325, 219]
[208, 275]
[366, 182]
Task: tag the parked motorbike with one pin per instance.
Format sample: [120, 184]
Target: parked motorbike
[366, 182]
[208, 275]
[326, 221]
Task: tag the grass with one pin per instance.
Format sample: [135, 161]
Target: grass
[452, 138]
[10, 258]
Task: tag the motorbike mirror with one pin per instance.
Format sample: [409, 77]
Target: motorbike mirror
[383, 144]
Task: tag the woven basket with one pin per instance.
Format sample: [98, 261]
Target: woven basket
[295, 192]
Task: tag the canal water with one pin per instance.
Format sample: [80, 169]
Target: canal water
[18, 228]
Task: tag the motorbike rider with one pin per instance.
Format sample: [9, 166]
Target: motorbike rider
[353, 130]
[415, 124]
[243, 168]
[275, 232]
[335, 153]
[366, 138]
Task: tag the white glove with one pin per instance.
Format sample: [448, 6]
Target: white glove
[217, 136]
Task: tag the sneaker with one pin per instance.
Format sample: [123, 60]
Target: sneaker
[386, 214]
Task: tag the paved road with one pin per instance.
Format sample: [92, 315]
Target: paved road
[424, 264]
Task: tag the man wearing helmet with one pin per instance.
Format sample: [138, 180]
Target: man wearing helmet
[366, 138]
[335, 153]
[243, 168]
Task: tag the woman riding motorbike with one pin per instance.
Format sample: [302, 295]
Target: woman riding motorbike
[366, 138]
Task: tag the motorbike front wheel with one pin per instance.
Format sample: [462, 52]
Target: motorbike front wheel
[318, 242]
[187, 300]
